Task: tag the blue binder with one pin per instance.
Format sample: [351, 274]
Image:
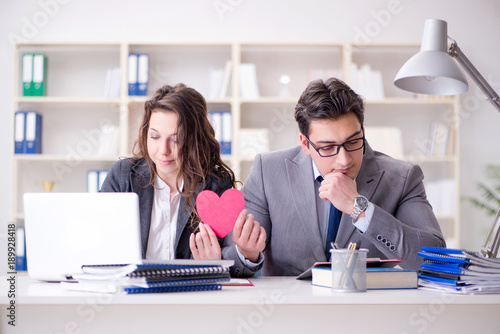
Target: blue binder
[142, 74]
[19, 132]
[21, 264]
[132, 74]
[227, 132]
[33, 134]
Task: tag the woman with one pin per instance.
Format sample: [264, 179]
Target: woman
[175, 157]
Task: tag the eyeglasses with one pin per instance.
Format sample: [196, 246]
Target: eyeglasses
[331, 150]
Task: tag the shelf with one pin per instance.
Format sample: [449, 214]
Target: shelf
[75, 107]
[56, 157]
[423, 158]
[271, 100]
[66, 100]
[142, 99]
[416, 101]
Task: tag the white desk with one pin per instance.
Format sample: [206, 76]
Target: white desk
[272, 305]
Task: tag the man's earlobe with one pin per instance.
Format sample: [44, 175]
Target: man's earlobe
[304, 144]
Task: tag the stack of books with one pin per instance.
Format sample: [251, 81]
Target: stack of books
[458, 271]
[380, 274]
[165, 276]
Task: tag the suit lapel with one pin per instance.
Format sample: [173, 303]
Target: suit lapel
[303, 193]
[139, 178]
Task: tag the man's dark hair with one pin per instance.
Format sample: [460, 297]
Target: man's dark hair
[328, 99]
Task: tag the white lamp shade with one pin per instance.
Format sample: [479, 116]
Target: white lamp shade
[432, 70]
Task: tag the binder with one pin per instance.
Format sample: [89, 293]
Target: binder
[142, 74]
[249, 88]
[227, 132]
[215, 118]
[92, 181]
[19, 132]
[27, 74]
[21, 264]
[132, 74]
[95, 179]
[39, 74]
[33, 134]
[458, 270]
[102, 176]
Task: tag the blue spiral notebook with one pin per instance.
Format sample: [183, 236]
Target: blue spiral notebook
[458, 270]
[208, 287]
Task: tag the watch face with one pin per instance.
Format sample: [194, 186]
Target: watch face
[361, 202]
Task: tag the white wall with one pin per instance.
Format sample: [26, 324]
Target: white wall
[474, 24]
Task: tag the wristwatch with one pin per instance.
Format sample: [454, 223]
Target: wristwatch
[360, 205]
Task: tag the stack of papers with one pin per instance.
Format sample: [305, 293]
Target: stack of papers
[458, 271]
[167, 276]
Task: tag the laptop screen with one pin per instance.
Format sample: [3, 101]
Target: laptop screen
[67, 230]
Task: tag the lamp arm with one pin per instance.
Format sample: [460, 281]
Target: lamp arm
[490, 93]
[492, 240]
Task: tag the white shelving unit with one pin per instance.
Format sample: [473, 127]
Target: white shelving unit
[75, 106]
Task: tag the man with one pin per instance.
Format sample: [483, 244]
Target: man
[381, 201]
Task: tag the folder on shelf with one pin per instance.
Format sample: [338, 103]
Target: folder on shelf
[249, 88]
[19, 132]
[101, 177]
[39, 74]
[95, 179]
[227, 132]
[215, 118]
[226, 80]
[33, 135]
[21, 264]
[112, 83]
[27, 74]
[142, 74]
[132, 73]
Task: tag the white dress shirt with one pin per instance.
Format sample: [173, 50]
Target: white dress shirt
[163, 228]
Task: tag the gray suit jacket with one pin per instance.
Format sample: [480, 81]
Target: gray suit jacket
[131, 175]
[280, 193]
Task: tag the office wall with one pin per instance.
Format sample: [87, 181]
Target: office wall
[474, 24]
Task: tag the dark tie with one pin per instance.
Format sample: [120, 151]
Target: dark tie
[333, 226]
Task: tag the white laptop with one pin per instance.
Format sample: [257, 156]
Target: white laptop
[67, 230]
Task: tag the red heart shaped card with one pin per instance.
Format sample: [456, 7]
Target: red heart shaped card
[220, 213]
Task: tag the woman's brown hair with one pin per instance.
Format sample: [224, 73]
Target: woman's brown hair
[198, 151]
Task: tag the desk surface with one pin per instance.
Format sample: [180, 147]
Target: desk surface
[297, 292]
[273, 303]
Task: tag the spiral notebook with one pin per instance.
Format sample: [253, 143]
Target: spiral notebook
[167, 276]
[458, 271]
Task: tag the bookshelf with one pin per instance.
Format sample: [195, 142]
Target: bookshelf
[75, 106]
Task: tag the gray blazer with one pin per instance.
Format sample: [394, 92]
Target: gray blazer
[280, 193]
[131, 175]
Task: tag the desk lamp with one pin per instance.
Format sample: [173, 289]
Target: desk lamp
[432, 71]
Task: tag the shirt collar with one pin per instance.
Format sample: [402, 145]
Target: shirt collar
[160, 184]
[316, 172]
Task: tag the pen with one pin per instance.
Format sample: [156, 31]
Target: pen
[350, 267]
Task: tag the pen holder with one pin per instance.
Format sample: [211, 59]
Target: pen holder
[349, 270]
